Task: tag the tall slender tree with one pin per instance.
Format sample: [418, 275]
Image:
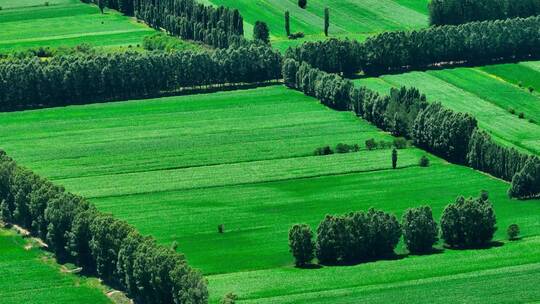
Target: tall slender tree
[287, 23]
[261, 32]
[394, 158]
[326, 20]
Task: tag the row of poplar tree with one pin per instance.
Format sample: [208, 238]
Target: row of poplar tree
[216, 26]
[405, 112]
[443, 12]
[80, 78]
[470, 43]
[113, 250]
[372, 235]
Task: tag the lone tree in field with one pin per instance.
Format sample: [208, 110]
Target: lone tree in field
[261, 32]
[419, 229]
[468, 222]
[102, 4]
[287, 23]
[394, 158]
[302, 3]
[513, 232]
[326, 21]
[301, 244]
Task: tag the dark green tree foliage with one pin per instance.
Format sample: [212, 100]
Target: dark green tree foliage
[301, 244]
[459, 11]
[330, 239]
[84, 78]
[287, 23]
[261, 32]
[472, 43]
[394, 158]
[326, 21]
[357, 237]
[444, 132]
[76, 232]
[102, 4]
[513, 232]
[331, 55]
[419, 229]
[526, 183]
[488, 156]
[468, 223]
[302, 3]
[216, 26]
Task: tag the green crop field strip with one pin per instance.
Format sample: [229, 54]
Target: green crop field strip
[351, 18]
[177, 167]
[488, 93]
[65, 23]
[27, 276]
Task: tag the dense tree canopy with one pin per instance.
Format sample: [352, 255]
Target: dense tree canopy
[471, 43]
[468, 222]
[74, 79]
[419, 229]
[462, 11]
[76, 232]
[188, 19]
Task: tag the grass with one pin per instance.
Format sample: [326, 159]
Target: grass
[178, 167]
[355, 19]
[28, 276]
[486, 92]
[66, 23]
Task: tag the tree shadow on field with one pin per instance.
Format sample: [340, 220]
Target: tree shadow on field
[488, 245]
[310, 266]
[432, 251]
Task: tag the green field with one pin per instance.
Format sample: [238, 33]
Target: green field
[28, 276]
[488, 93]
[178, 167]
[30, 23]
[352, 18]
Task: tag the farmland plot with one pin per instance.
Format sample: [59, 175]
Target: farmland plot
[178, 167]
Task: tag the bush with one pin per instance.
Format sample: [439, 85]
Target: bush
[221, 228]
[468, 223]
[400, 143]
[296, 35]
[371, 144]
[419, 229]
[229, 298]
[301, 244]
[424, 161]
[302, 3]
[521, 115]
[326, 150]
[531, 89]
[511, 110]
[513, 232]
[345, 148]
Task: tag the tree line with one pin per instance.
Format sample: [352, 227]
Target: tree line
[470, 43]
[405, 112]
[216, 26]
[443, 12]
[81, 78]
[75, 231]
[364, 236]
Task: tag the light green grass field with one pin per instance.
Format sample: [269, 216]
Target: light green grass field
[488, 93]
[65, 23]
[27, 276]
[178, 167]
[355, 19]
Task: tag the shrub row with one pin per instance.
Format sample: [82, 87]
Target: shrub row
[443, 12]
[112, 249]
[471, 43]
[363, 236]
[188, 19]
[405, 112]
[63, 80]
